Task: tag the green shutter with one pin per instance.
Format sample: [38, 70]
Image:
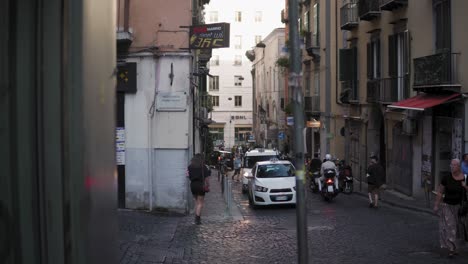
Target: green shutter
[392, 56]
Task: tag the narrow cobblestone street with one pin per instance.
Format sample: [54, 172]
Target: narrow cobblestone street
[344, 231]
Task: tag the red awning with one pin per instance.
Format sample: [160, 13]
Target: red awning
[423, 101]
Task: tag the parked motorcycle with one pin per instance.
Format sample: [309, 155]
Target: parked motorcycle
[313, 181]
[345, 178]
[329, 189]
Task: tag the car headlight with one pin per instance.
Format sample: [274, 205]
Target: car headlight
[260, 188]
[246, 174]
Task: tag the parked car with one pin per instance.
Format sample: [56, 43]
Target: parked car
[227, 156]
[272, 182]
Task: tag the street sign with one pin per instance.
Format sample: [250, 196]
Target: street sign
[251, 137]
[290, 120]
[281, 135]
[313, 123]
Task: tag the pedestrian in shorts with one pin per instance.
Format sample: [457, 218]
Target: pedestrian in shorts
[237, 167]
[375, 178]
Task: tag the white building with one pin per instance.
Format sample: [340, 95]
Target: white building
[231, 84]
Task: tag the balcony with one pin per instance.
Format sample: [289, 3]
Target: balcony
[436, 71]
[312, 104]
[349, 15]
[394, 89]
[390, 5]
[369, 9]
[312, 45]
[349, 92]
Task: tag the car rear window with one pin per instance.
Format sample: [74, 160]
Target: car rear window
[275, 170]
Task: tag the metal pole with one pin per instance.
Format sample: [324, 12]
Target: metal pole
[312, 149]
[295, 80]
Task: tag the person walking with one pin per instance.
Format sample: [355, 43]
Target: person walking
[464, 163]
[198, 174]
[237, 167]
[375, 176]
[449, 196]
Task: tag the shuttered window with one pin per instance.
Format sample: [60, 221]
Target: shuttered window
[443, 28]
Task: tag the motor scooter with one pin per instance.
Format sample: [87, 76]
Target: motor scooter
[329, 189]
[345, 178]
[314, 177]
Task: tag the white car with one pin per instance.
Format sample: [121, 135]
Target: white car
[251, 157]
[272, 182]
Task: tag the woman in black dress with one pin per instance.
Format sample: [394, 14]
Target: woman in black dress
[198, 174]
[448, 201]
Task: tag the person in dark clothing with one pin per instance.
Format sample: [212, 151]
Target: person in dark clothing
[315, 164]
[449, 196]
[375, 177]
[198, 174]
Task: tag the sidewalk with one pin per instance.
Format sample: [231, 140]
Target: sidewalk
[397, 199]
[151, 237]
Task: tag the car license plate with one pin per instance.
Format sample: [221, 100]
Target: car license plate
[330, 188]
[281, 198]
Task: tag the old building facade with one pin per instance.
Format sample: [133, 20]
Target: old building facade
[158, 118]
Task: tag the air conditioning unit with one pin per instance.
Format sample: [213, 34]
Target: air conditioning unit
[409, 127]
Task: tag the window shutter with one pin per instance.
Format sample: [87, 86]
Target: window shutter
[345, 67]
[370, 59]
[377, 45]
[406, 52]
[392, 56]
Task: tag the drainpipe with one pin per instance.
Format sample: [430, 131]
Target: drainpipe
[338, 102]
[327, 76]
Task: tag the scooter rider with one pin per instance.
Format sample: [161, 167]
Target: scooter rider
[327, 164]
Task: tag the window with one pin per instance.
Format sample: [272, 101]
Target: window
[238, 16]
[258, 16]
[237, 100]
[443, 28]
[217, 134]
[315, 29]
[258, 39]
[238, 80]
[373, 59]
[348, 74]
[214, 61]
[241, 134]
[398, 65]
[237, 60]
[214, 83]
[215, 99]
[238, 42]
[214, 16]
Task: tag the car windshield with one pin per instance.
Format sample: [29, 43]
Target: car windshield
[249, 161]
[275, 170]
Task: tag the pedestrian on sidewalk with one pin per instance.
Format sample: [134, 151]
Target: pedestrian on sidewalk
[451, 188]
[375, 177]
[198, 174]
[464, 164]
[237, 167]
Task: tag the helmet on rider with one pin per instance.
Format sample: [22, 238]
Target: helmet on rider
[328, 157]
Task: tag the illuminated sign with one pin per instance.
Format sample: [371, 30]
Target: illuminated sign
[209, 36]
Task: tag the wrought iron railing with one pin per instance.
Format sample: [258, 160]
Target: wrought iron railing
[349, 15]
[373, 91]
[349, 91]
[436, 70]
[368, 9]
[394, 89]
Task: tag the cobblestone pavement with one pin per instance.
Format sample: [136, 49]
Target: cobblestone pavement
[343, 231]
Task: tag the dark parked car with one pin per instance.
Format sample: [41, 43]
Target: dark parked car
[227, 156]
